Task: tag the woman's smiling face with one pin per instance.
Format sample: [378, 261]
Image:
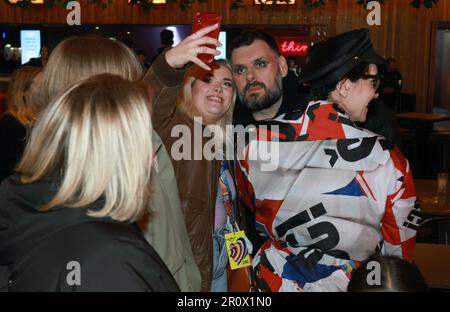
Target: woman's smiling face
[212, 94]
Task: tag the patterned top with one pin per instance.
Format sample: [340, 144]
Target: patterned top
[329, 196]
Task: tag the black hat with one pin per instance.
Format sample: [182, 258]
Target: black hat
[331, 59]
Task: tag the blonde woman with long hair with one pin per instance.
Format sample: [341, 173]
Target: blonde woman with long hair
[17, 119]
[82, 182]
[80, 57]
[200, 100]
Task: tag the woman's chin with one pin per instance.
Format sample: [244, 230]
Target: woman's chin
[215, 113]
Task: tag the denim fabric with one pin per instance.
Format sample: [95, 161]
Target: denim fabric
[219, 274]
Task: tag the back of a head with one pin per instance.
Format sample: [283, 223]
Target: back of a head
[166, 37]
[97, 135]
[81, 57]
[246, 38]
[386, 273]
[18, 105]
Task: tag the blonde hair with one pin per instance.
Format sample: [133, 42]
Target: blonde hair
[184, 99]
[18, 104]
[81, 57]
[97, 137]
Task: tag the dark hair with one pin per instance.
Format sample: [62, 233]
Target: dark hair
[246, 38]
[396, 275]
[353, 75]
[166, 36]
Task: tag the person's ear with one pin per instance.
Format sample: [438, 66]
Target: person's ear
[283, 65]
[343, 87]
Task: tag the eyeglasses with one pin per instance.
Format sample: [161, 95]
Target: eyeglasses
[375, 79]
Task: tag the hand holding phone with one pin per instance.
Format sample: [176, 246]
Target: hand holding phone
[202, 20]
[198, 48]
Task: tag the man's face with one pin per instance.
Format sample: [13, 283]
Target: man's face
[258, 72]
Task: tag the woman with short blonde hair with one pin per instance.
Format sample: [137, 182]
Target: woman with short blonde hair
[84, 178]
[87, 125]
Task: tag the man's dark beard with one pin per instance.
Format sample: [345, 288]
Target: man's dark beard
[257, 102]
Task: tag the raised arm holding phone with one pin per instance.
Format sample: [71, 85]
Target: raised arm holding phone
[204, 91]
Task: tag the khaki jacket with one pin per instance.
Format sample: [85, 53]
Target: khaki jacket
[165, 229]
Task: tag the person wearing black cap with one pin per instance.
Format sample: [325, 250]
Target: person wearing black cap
[380, 118]
[336, 194]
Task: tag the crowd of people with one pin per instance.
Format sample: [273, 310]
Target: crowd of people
[93, 174]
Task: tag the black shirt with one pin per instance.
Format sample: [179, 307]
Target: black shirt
[294, 103]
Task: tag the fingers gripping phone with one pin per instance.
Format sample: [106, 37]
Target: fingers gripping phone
[202, 20]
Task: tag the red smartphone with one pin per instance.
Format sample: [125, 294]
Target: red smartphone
[202, 20]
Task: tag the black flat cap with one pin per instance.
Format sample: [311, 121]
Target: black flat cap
[331, 59]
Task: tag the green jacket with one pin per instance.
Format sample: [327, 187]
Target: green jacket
[164, 228]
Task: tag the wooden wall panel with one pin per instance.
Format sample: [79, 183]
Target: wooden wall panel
[121, 12]
[405, 32]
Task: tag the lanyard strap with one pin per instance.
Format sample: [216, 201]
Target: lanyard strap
[227, 195]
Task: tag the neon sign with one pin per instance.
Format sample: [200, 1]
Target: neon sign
[292, 47]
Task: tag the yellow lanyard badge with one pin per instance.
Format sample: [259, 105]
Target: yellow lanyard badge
[237, 248]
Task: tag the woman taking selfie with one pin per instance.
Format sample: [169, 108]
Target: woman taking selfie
[200, 98]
